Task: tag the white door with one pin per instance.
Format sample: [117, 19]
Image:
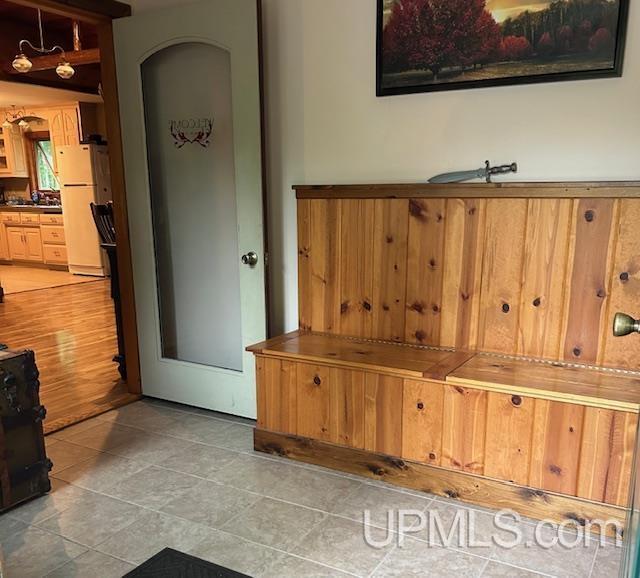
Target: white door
[188, 80]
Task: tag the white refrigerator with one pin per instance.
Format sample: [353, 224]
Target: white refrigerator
[83, 172]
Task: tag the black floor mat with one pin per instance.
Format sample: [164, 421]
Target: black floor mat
[173, 564]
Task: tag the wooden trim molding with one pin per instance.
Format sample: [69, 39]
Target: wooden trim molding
[120, 213]
[567, 190]
[457, 485]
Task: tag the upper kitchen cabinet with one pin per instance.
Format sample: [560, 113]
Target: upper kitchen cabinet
[69, 124]
[12, 157]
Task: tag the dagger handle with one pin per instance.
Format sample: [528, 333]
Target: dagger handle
[502, 169]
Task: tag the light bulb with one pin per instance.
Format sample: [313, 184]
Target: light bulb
[65, 70]
[23, 124]
[21, 63]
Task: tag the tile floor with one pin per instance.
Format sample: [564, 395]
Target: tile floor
[152, 475]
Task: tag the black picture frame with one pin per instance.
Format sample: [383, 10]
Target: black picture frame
[614, 71]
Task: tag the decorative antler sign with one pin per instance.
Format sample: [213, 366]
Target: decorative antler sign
[191, 131]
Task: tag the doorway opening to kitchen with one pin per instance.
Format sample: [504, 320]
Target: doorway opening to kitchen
[61, 295]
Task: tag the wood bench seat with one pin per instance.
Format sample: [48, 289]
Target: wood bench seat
[597, 387]
[386, 358]
[540, 379]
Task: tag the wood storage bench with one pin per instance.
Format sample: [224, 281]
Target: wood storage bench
[457, 340]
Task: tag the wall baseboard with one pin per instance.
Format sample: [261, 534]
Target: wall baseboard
[462, 486]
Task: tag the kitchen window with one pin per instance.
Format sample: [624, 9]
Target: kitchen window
[46, 178]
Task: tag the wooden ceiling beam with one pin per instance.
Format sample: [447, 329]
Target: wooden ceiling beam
[51, 61]
[92, 11]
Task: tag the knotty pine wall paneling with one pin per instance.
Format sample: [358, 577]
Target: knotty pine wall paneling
[532, 276]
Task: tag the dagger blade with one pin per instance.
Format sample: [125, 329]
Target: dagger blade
[459, 176]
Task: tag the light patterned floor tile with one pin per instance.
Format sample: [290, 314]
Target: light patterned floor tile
[343, 544]
[151, 533]
[274, 523]
[92, 519]
[152, 487]
[210, 504]
[92, 564]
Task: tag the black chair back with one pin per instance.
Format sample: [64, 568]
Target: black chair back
[103, 217]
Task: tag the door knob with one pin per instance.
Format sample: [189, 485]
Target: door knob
[250, 259]
[624, 324]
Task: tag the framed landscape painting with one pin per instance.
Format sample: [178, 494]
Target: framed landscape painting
[428, 45]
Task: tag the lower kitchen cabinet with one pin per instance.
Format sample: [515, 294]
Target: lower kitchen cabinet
[25, 244]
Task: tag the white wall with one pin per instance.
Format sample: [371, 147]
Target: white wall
[325, 124]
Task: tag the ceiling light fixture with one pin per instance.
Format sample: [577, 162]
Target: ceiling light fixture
[18, 116]
[22, 64]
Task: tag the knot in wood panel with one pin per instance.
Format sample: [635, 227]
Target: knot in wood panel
[317, 380]
[417, 209]
[376, 470]
[537, 302]
[366, 306]
[506, 308]
[555, 470]
[589, 216]
[516, 400]
[624, 277]
[420, 405]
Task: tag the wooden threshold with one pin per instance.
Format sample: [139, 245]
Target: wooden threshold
[456, 485]
[567, 190]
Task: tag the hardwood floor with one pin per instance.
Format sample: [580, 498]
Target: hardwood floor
[72, 331]
[17, 279]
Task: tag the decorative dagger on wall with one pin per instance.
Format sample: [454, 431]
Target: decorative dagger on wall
[484, 173]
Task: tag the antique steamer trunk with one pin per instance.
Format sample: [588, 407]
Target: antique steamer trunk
[24, 467]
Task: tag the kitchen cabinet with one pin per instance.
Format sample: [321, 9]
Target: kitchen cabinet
[4, 248]
[17, 246]
[13, 161]
[69, 124]
[64, 128]
[55, 254]
[53, 240]
[32, 236]
[25, 243]
[52, 235]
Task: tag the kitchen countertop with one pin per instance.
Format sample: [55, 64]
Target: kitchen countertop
[47, 209]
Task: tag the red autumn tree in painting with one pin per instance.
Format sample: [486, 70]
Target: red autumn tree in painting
[434, 34]
[516, 48]
[601, 42]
